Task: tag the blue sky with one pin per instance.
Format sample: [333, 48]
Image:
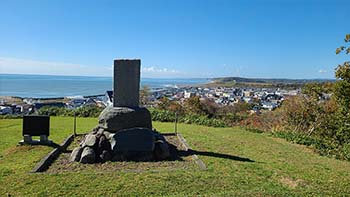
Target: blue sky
[179, 38]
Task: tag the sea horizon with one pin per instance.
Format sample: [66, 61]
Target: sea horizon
[54, 86]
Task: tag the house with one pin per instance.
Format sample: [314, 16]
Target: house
[17, 109]
[5, 110]
[90, 102]
[189, 94]
[325, 96]
[77, 102]
[269, 105]
[247, 99]
[108, 98]
[248, 93]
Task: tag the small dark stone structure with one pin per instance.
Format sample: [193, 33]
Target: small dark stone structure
[124, 131]
[36, 126]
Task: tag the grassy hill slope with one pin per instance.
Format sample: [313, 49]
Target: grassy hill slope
[263, 83]
[279, 167]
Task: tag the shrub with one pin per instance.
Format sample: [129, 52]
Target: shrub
[86, 111]
[167, 116]
[11, 116]
[320, 145]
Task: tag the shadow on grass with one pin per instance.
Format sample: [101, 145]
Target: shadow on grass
[181, 153]
[55, 145]
[217, 155]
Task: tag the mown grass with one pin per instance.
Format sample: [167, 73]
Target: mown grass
[280, 168]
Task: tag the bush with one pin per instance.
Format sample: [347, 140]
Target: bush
[320, 145]
[53, 111]
[11, 116]
[308, 121]
[87, 111]
[267, 121]
[167, 116]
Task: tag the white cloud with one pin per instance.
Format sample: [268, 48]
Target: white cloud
[154, 71]
[25, 66]
[322, 71]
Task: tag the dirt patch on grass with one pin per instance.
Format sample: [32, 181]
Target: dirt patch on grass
[178, 160]
[15, 149]
[291, 183]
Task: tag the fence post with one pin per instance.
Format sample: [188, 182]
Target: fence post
[175, 126]
[75, 124]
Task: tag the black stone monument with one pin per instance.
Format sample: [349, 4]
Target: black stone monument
[36, 126]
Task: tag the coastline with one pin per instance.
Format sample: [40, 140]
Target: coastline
[51, 87]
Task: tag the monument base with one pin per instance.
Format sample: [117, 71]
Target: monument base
[114, 119]
[29, 141]
[134, 144]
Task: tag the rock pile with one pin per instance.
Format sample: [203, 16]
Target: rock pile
[133, 144]
[122, 134]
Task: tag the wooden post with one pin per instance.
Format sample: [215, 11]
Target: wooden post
[75, 124]
[175, 126]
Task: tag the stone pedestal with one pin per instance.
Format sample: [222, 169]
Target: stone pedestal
[113, 119]
[135, 144]
[44, 138]
[27, 139]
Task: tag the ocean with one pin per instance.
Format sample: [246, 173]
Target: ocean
[48, 86]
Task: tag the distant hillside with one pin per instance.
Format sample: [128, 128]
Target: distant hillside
[264, 83]
[262, 80]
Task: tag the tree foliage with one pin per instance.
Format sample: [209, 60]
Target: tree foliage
[345, 49]
[342, 86]
[86, 111]
[316, 90]
[342, 95]
[193, 105]
[144, 95]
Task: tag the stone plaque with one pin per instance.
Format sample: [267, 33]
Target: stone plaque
[36, 125]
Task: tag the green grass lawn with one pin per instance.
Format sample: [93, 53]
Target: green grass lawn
[280, 168]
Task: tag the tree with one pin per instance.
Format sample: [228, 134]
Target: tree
[345, 49]
[316, 90]
[342, 85]
[342, 95]
[193, 105]
[144, 95]
[163, 103]
[209, 107]
[176, 107]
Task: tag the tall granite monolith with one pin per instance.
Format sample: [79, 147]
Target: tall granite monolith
[126, 83]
